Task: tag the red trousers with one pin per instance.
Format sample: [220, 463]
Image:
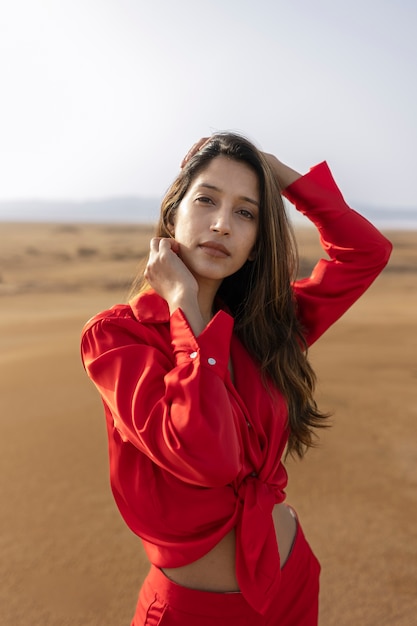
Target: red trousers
[164, 603]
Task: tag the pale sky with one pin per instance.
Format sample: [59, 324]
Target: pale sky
[103, 97]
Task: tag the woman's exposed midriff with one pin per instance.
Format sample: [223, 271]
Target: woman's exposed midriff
[216, 572]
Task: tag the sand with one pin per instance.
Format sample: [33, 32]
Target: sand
[66, 556]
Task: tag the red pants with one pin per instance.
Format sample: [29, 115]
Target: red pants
[164, 603]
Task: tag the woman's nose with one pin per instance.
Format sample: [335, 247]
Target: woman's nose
[221, 222]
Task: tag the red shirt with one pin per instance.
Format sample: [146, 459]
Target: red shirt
[193, 455]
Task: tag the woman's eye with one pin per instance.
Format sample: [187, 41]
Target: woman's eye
[246, 213]
[204, 200]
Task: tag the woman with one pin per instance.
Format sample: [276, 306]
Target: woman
[206, 383]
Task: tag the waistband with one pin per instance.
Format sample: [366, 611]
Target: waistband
[195, 601]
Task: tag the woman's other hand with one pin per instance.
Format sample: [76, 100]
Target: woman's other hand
[166, 272]
[173, 281]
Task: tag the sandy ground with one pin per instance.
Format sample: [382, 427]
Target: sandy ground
[66, 556]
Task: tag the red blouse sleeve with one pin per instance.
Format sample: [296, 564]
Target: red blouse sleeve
[169, 402]
[358, 252]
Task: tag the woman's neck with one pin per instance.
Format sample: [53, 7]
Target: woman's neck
[206, 295]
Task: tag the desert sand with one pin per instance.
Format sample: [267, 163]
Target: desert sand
[66, 556]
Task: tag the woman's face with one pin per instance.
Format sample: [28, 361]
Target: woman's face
[216, 223]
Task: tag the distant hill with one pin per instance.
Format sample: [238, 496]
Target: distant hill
[133, 209]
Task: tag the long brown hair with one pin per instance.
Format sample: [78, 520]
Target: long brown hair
[260, 295]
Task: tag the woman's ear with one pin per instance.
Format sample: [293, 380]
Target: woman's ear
[169, 223]
[252, 255]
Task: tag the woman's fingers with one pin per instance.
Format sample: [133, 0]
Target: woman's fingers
[194, 149]
[154, 244]
[159, 244]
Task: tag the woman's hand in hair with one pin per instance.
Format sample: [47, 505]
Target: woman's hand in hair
[284, 174]
[193, 150]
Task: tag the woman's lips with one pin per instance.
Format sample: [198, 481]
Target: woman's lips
[214, 249]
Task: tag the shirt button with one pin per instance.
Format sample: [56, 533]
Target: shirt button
[248, 424]
[211, 361]
[253, 474]
[193, 355]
